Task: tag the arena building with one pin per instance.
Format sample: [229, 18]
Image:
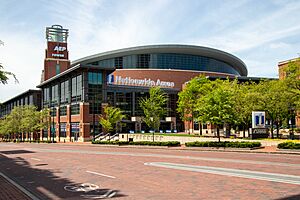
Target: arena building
[77, 91]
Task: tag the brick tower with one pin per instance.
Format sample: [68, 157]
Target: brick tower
[56, 54]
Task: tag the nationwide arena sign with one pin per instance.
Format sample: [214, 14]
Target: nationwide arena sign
[146, 82]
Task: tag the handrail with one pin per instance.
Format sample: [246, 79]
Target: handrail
[99, 135]
[104, 136]
[115, 135]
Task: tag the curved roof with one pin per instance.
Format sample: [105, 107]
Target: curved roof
[230, 59]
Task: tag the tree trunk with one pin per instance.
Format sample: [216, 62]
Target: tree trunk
[272, 136]
[244, 131]
[218, 134]
[200, 127]
[277, 129]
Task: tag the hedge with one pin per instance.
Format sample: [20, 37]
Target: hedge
[224, 144]
[32, 141]
[289, 145]
[148, 143]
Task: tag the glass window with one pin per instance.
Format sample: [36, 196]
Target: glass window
[76, 83]
[45, 133]
[95, 78]
[31, 100]
[74, 129]
[63, 111]
[75, 109]
[63, 129]
[64, 92]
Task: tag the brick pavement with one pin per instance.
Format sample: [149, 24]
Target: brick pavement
[10, 192]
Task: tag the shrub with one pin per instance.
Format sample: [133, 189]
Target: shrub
[289, 145]
[148, 143]
[224, 144]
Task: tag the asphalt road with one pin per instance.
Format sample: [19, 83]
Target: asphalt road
[65, 171]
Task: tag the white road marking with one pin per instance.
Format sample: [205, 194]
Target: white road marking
[36, 159]
[255, 162]
[33, 197]
[91, 172]
[274, 177]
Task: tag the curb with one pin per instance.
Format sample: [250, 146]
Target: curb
[248, 150]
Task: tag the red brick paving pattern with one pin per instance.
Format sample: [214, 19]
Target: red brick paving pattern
[10, 192]
[138, 181]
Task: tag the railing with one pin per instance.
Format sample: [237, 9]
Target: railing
[113, 136]
[99, 135]
[106, 136]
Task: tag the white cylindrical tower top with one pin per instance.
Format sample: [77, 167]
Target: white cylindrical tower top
[56, 33]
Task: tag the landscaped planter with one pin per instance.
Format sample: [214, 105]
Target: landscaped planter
[225, 144]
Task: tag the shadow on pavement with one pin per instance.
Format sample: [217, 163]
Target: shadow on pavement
[44, 184]
[293, 197]
[16, 152]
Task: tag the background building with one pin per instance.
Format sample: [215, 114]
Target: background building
[76, 92]
[282, 74]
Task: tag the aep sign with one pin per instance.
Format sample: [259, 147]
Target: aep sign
[59, 51]
[59, 48]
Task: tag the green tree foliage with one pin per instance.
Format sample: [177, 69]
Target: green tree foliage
[217, 105]
[245, 101]
[292, 79]
[224, 102]
[278, 101]
[188, 97]
[110, 118]
[24, 119]
[4, 75]
[154, 107]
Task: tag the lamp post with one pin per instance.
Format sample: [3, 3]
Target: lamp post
[53, 129]
[94, 117]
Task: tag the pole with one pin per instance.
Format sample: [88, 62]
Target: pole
[53, 129]
[94, 118]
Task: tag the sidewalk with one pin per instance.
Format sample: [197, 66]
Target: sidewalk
[9, 191]
[266, 149]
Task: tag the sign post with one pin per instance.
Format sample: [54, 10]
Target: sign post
[259, 129]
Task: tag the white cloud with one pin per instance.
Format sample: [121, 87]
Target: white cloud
[259, 32]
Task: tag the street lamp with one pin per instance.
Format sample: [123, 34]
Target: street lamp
[53, 129]
[94, 116]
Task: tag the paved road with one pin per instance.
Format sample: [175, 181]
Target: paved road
[64, 171]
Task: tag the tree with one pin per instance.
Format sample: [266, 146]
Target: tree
[24, 119]
[292, 80]
[4, 75]
[110, 118]
[217, 105]
[279, 102]
[188, 97]
[154, 108]
[33, 120]
[4, 132]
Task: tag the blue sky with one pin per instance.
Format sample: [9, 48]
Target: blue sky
[260, 32]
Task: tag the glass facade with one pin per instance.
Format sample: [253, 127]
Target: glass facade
[168, 61]
[64, 92]
[75, 109]
[63, 129]
[95, 92]
[76, 85]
